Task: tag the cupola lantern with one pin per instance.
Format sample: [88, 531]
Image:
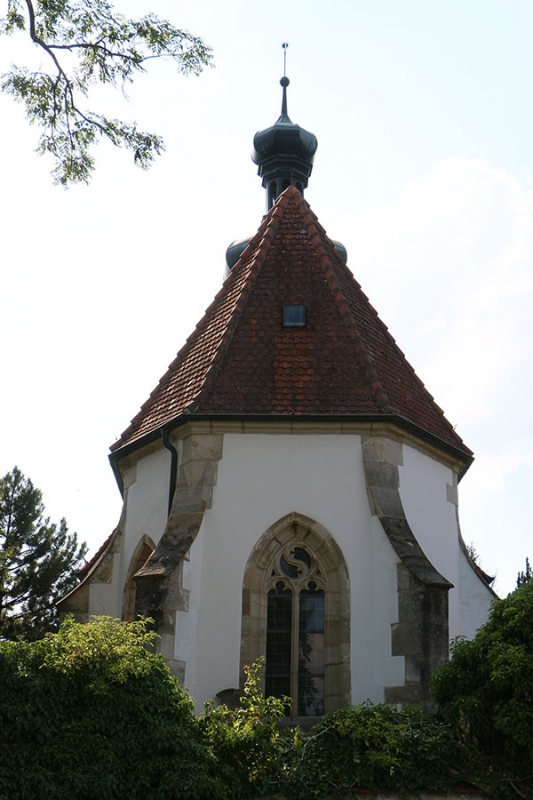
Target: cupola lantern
[284, 153]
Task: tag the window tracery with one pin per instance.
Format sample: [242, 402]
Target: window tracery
[295, 642]
[296, 614]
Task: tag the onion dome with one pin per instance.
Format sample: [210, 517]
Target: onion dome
[284, 153]
[235, 251]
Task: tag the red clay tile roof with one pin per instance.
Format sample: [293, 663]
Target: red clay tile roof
[241, 361]
[96, 557]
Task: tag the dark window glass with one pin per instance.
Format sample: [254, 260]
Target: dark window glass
[311, 652]
[294, 316]
[295, 636]
[290, 570]
[293, 570]
[279, 633]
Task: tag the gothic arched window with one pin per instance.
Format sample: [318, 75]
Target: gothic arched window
[142, 553]
[295, 636]
[296, 614]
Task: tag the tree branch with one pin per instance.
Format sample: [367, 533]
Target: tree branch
[109, 48]
[41, 43]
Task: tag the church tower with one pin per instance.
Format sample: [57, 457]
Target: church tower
[290, 486]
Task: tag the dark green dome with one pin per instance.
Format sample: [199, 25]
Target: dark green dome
[284, 153]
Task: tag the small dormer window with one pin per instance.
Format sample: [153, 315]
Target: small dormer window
[294, 316]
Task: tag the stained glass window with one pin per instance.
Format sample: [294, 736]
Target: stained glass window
[295, 632]
[311, 652]
[278, 650]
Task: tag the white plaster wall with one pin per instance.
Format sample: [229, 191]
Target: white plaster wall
[434, 521]
[475, 599]
[103, 597]
[261, 478]
[388, 670]
[146, 506]
[145, 509]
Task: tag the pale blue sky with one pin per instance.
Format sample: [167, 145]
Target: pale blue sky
[423, 113]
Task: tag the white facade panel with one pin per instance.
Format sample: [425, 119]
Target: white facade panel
[433, 519]
[261, 478]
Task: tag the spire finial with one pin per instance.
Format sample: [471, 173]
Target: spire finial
[285, 46]
[284, 152]
[284, 81]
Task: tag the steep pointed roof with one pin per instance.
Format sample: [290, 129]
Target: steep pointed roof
[241, 362]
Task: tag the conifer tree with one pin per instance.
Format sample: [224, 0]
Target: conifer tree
[524, 576]
[38, 561]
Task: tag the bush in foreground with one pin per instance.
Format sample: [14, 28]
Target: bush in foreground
[485, 692]
[92, 712]
[372, 747]
[245, 743]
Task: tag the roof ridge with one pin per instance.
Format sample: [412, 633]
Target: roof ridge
[317, 234]
[370, 371]
[253, 261]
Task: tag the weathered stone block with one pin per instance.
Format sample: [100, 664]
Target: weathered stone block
[177, 668]
[104, 571]
[452, 494]
[383, 450]
[130, 476]
[388, 502]
[380, 474]
[202, 447]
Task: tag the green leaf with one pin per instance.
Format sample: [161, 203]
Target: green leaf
[103, 47]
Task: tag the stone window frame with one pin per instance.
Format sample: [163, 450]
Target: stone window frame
[140, 556]
[311, 535]
[291, 572]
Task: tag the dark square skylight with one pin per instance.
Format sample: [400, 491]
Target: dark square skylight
[294, 316]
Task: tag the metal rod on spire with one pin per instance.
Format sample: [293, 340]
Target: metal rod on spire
[284, 81]
[284, 46]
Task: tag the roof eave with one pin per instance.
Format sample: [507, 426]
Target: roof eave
[462, 454]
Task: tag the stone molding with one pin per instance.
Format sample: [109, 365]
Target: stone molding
[160, 591]
[145, 547]
[421, 633]
[372, 429]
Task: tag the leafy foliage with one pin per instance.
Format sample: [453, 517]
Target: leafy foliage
[100, 46]
[371, 747]
[38, 560]
[246, 742]
[486, 692]
[93, 712]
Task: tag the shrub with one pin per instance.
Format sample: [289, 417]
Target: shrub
[93, 712]
[486, 692]
[371, 747]
[245, 743]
